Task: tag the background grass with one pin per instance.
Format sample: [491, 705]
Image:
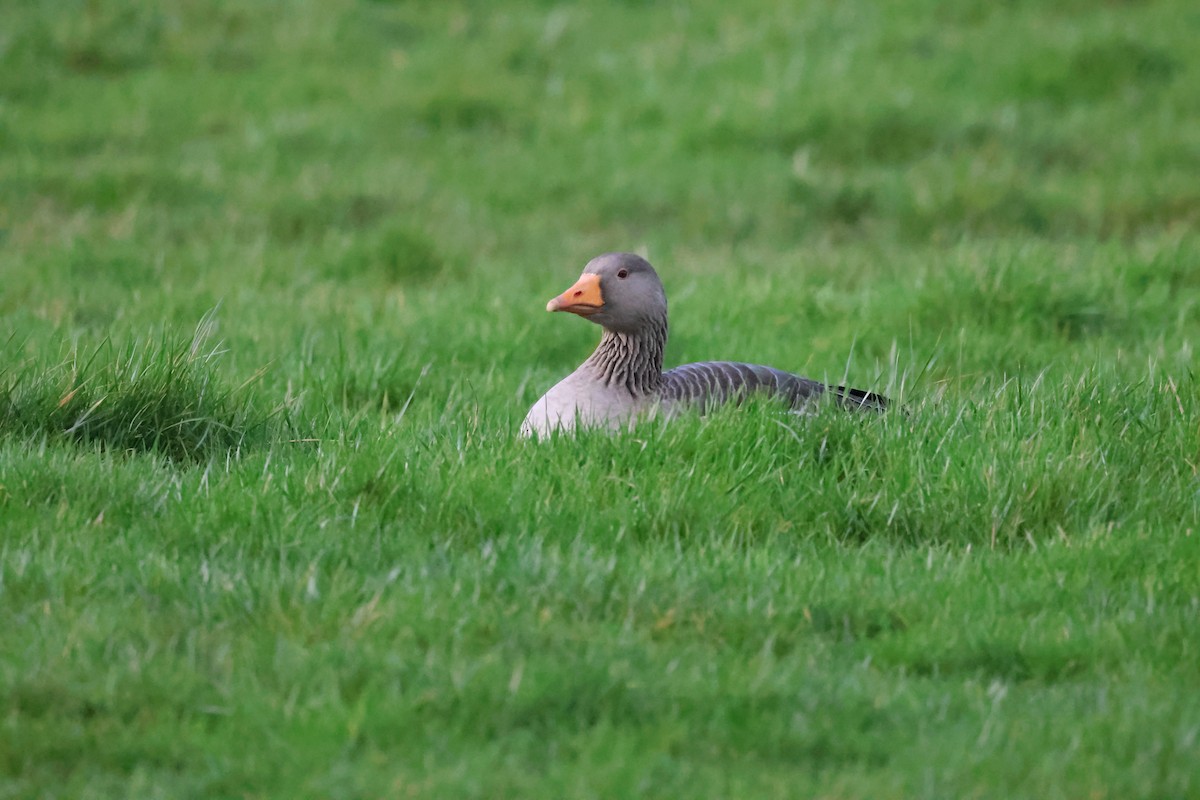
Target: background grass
[272, 278]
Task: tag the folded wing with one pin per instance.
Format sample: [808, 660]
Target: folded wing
[710, 383]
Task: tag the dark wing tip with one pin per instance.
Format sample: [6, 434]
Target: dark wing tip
[857, 399]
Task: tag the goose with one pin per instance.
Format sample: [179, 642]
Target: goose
[623, 379]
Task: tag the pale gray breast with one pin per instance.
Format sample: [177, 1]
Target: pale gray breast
[710, 383]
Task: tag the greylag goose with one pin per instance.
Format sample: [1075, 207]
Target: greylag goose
[623, 379]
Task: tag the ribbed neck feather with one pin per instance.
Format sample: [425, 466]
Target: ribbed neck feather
[631, 360]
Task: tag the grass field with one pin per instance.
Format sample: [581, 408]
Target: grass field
[271, 290]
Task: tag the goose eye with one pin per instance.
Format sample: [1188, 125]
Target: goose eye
[623, 274]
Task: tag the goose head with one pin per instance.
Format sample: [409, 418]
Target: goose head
[621, 292]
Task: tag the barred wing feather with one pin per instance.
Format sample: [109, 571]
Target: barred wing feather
[710, 383]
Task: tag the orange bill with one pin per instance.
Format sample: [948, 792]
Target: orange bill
[584, 298]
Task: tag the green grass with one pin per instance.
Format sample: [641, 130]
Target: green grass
[271, 280]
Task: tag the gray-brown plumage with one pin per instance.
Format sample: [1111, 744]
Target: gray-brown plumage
[710, 383]
[623, 379]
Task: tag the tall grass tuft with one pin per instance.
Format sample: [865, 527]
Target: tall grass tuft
[157, 395]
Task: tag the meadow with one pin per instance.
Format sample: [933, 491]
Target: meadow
[272, 280]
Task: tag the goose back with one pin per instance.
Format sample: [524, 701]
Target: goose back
[708, 384]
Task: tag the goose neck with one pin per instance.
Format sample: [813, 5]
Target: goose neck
[632, 361]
